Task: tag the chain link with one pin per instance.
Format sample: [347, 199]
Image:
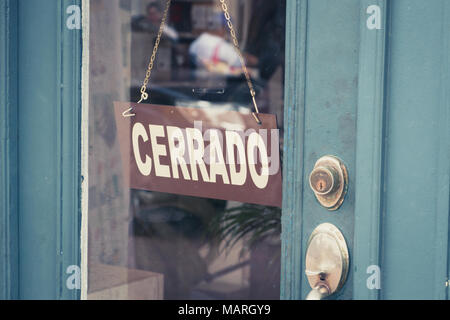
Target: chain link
[241, 57]
[236, 45]
[144, 94]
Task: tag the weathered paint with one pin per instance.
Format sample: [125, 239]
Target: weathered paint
[84, 148]
[378, 99]
[414, 256]
[8, 151]
[369, 149]
[46, 65]
[294, 111]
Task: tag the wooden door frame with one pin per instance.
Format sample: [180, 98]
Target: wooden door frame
[375, 77]
[294, 109]
[40, 97]
[369, 149]
[60, 217]
[8, 152]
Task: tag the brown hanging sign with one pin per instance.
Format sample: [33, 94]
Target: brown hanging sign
[201, 152]
[208, 153]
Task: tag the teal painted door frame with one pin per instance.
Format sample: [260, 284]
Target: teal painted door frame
[8, 151]
[379, 99]
[416, 191]
[40, 179]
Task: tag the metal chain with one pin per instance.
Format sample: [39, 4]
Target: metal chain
[241, 57]
[144, 94]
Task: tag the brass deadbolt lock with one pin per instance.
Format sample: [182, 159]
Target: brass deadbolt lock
[329, 181]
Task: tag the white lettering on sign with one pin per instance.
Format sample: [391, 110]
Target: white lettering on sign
[216, 158]
[196, 153]
[145, 167]
[177, 152]
[189, 154]
[235, 142]
[159, 150]
[256, 142]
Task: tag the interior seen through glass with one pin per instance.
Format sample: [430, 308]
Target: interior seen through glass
[150, 245]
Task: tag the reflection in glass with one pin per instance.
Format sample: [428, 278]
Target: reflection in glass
[150, 245]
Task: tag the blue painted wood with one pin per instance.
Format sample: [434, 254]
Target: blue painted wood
[378, 99]
[369, 150]
[443, 194]
[8, 151]
[330, 113]
[320, 119]
[416, 210]
[70, 113]
[329, 103]
[294, 108]
[49, 58]
[71, 58]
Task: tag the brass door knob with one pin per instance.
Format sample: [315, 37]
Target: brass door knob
[320, 292]
[327, 261]
[329, 180]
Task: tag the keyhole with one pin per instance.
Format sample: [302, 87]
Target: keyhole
[322, 276]
[321, 186]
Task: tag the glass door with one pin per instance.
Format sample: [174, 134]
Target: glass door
[152, 245]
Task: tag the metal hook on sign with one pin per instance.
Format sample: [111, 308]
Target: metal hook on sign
[255, 114]
[144, 95]
[127, 113]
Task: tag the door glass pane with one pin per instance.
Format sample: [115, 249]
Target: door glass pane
[151, 245]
